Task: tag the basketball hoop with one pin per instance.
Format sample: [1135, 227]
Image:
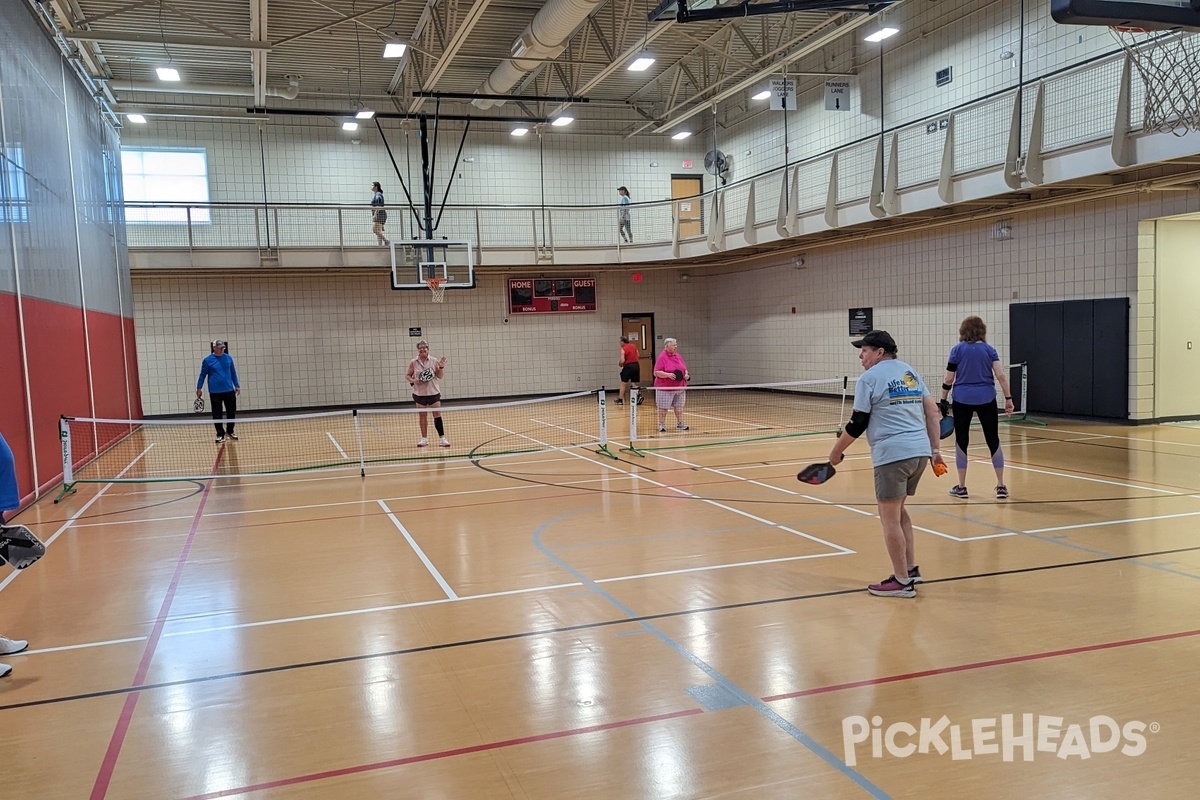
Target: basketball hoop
[1168, 63]
[438, 287]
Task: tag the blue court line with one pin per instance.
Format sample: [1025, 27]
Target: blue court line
[741, 694]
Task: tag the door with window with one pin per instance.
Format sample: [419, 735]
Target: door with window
[686, 191]
[640, 330]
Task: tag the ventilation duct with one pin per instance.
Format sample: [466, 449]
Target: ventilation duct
[545, 38]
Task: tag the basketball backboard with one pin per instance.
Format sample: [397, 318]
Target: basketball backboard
[415, 261]
[1150, 14]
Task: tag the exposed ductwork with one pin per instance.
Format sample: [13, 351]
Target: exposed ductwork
[290, 93]
[545, 38]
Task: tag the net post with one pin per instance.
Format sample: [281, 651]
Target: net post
[64, 435]
[603, 449]
[362, 464]
[842, 411]
[634, 396]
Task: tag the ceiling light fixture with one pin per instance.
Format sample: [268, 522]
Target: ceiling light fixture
[881, 34]
[349, 125]
[137, 119]
[641, 63]
[763, 95]
[365, 113]
[681, 135]
[167, 73]
[560, 122]
[519, 131]
[395, 49]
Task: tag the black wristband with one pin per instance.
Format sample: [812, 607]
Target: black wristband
[947, 387]
[1006, 397]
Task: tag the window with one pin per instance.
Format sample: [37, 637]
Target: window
[165, 176]
[14, 202]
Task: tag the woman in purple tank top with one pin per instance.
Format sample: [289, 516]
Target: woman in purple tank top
[972, 371]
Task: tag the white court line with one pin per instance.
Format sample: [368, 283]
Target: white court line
[13, 575]
[731, 509]
[1113, 522]
[1088, 479]
[338, 446]
[1126, 438]
[742, 422]
[416, 604]
[437, 576]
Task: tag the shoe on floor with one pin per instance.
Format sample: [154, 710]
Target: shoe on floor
[231, 435]
[10, 646]
[681, 427]
[890, 587]
[662, 428]
[4, 670]
[960, 492]
[1001, 492]
[444, 442]
[914, 573]
[619, 401]
[423, 442]
[220, 439]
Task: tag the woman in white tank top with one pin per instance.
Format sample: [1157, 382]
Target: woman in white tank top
[424, 375]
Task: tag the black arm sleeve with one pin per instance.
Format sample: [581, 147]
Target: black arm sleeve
[951, 367]
[858, 423]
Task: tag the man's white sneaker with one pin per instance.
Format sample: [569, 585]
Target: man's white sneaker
[10, 646]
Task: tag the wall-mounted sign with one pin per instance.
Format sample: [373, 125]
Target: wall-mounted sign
[860, 321]
[414, 331]
[540, 295]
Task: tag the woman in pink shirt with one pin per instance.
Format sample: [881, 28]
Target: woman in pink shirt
[670, 385]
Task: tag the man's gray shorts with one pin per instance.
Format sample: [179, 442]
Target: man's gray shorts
[899, 478]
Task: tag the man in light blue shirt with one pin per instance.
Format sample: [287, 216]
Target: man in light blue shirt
[894, 408]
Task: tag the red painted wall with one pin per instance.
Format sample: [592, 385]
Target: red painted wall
[58, 380]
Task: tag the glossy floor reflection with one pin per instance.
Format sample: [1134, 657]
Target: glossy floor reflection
[688, 624]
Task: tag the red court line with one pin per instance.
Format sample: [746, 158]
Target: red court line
[1089, 648]
[104, 777]
[458, 751]
[360, 768]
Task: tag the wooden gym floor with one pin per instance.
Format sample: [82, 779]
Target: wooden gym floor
[691, 624]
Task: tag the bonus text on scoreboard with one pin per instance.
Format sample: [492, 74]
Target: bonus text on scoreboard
[551, 295]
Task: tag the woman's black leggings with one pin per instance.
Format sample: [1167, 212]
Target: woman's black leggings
[989, 420]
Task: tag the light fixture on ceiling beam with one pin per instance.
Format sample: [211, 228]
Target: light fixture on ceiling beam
[560, 122]
[167, 73]
[641, 62]
[349, 125]
[365, 113]
[137, 119]
[681, 135]
[518, 131]
[395, 49]
[763, 95]
[881, 34]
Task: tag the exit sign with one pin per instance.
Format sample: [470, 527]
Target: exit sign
[687, 164]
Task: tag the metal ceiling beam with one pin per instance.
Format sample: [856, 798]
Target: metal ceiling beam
[812, 43]
[258, 59]
[620, 62]
[457, 40]
[418, 32]
[200, 42]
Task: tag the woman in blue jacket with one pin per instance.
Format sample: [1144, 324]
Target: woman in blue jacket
[223, 388]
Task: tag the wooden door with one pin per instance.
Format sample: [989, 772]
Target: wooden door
[689, 205]
[640, 330]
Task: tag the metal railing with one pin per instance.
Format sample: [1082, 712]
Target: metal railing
[1080, 104]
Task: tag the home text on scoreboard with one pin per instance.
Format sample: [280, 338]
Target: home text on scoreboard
[551, 295]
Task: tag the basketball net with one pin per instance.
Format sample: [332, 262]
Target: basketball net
[1168, 63]
[437, 286]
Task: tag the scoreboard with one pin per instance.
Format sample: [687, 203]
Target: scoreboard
[551, 295]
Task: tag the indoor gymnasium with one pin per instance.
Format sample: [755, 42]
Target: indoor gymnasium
[530, 399]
